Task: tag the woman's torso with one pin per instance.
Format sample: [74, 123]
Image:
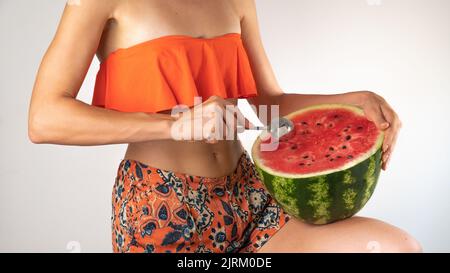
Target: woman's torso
[136, 21]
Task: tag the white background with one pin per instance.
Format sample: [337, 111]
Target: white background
[52, 195]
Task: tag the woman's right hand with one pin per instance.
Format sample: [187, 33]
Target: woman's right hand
[213, 120]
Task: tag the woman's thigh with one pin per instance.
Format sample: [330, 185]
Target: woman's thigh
[356, 234]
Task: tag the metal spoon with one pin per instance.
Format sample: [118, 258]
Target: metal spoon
[278, 127]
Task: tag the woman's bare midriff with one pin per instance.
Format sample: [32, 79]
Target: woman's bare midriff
[195, 158]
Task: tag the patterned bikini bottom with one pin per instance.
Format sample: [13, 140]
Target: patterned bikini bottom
[155, 210]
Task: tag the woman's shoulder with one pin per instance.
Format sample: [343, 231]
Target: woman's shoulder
[102, 8]
[242, 7]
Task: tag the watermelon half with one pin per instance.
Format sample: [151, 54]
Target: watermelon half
[327, 169]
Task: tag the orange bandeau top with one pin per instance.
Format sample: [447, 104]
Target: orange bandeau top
[161, 73]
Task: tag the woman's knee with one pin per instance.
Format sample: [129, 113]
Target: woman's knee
[357, 234]
[383, 237]
[400, 241]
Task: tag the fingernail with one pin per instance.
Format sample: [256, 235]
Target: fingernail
[385, 125]
[385, 148]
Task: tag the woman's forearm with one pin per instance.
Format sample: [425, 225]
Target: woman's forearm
[289, 103]
[292, 102]
[65, 120]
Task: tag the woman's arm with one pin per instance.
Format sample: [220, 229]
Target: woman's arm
[270, 93]
[55, 115]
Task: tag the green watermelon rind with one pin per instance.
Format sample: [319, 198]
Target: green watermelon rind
[325, 197]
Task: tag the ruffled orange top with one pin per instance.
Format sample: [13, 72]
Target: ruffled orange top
[171, 70]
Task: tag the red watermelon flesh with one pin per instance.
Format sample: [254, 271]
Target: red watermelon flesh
[323, 139]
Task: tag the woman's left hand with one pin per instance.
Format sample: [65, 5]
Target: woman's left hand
[379, 111]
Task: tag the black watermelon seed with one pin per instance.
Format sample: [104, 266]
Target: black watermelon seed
[349, 156]
[302, 164]
[327, 155]
[348, 137]
[305, 157]
[293, 147]
[319, 124]
[346, 130]
[338, 156]
[304, 123]
[336, 116]
[359, 128]
[309, 164]
[331, 149]
[330, 125]
[331, 159]
[344, 147]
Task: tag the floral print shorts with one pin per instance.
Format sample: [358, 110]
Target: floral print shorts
[155, 210]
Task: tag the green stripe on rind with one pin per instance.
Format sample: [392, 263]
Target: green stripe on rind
[326, 198]
[371, 177]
